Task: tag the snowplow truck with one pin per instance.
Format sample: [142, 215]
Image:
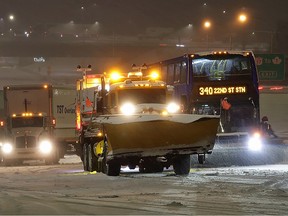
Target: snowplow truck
[133, 121]
[39, 123]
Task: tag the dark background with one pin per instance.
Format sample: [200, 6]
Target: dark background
[117, 33]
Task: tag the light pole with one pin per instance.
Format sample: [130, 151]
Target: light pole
[242, 20]
[207, 26]
[271, 34]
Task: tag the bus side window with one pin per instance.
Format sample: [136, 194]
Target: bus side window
[196, 69]
[183, 73]
[164, 73]
[244, 67]
[177, 73]
[228, 66]
[236, 68]
[205, 69]
[170, 74]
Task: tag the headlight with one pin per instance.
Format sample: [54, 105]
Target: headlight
[255, 142]
[173, 108]
[7, 148]
[128, 109]
[45, 146]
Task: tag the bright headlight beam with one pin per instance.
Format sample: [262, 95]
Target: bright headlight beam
[7, 148]
[45, 146]
[173, 108]
[255, 142]
[128, 109]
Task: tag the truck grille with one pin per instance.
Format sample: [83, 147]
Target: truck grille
[26, 142]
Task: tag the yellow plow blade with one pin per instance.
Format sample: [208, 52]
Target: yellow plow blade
[158, 135]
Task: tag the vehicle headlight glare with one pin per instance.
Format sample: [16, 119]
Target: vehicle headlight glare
[128, 109]
[173, 108]
[7, 148]
[255, 142]
[45, 146]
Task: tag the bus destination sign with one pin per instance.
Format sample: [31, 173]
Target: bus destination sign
[219, 90]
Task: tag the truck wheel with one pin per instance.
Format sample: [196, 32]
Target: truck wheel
[113, 168]
[181, 164]
[92, 159]
[201, 158]
[85, 157]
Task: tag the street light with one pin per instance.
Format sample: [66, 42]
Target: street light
[11, 17]
[207, 26]
[241, 19]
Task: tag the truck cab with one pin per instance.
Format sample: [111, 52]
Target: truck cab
[36, 116]
[28, 137]
[136, 94]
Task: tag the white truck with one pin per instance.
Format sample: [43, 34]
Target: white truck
[39, 123]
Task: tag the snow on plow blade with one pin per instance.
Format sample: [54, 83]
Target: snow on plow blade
[159, 135]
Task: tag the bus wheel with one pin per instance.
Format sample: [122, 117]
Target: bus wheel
[181, 164]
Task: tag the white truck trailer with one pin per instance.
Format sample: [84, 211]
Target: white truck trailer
[39, 123]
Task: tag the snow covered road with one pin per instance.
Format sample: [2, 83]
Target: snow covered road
[67, 189]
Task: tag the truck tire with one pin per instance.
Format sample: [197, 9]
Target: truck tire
[113, 168]
[181, 164]
[92, 159]
[201, 158]
[85, 157]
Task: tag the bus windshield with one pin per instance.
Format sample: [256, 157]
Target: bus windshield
[27, 122]
[139, 96]
[222, 67]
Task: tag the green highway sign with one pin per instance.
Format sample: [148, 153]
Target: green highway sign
[271, 66]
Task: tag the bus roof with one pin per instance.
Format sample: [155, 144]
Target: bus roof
[233, 52]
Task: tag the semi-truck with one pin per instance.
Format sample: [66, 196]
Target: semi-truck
[133, 121]
[38, 123]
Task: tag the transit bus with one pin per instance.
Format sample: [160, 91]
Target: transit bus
[218, 83]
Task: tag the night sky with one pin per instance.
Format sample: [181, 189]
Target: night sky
[134, 16]
[120, 32]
